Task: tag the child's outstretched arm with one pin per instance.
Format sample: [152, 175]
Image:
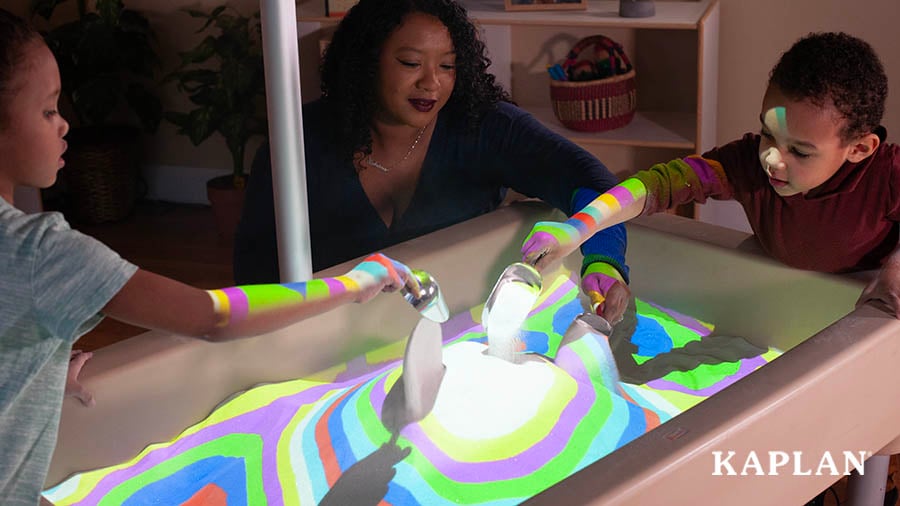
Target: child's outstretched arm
[550, 241]
[152, 301]
[663, 186]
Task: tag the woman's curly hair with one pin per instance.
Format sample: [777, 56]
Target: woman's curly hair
[350, 67]
[836, 67]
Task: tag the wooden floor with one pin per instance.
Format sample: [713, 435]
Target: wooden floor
[181, 242]
[175, 240]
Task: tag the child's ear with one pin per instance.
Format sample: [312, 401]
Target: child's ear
[861, 148]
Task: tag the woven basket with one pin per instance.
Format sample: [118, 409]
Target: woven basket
[599, 104]
[101, 174]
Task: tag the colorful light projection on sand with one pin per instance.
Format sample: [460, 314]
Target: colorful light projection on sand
[498, 434]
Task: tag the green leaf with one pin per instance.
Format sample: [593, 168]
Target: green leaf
[178, 119]
[210, 18]
[201, 77]
[200, 53]
[201, 125]
[223, 77]
[203, 96]
[105, 56]
[109, 10]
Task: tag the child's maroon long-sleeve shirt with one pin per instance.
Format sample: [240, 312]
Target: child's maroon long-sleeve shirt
[848, 223]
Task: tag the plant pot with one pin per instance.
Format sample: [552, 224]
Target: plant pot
[227, 203]
[101, 173]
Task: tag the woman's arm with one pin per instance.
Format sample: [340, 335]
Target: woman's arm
[550, 241]
[152, 301]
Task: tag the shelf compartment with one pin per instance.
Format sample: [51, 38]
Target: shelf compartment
[600, 13]
[655, 129]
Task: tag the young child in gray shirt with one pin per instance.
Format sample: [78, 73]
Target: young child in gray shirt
[55, 283]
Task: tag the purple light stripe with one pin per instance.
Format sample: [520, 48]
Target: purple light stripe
[378, 393]
[237, 300]
[554, 297]
[705, 173]
[684, 320]
[457, 326]
[335, 287]
[571, 362]
[517, 466]
[622, 194]
[748, 365]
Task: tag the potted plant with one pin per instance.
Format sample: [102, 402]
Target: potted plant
[224, 78]
[106, 59]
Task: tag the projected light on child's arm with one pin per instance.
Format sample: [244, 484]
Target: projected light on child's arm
[661, 187]
[550, 241]
[256, 309]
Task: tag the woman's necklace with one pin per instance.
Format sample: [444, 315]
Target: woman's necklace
[372, 163]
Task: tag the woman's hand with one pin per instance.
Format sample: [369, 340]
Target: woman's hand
[548, 242]
[607, 291]
[885, 288]
[379, 273]
[73, 387]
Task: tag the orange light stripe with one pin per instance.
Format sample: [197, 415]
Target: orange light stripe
[650, 418]
[323, 441]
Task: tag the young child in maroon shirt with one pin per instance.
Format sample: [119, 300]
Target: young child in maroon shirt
[819, 185]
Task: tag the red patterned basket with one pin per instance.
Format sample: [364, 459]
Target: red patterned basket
[599, 104]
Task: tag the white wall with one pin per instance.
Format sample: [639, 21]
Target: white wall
[753, 34]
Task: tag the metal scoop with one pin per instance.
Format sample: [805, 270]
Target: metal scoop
[427, 299]
[507, 307]
[594, 327]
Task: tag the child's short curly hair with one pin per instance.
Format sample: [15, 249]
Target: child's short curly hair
[837, 67]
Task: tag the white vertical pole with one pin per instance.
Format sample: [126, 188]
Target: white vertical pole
[282, 65]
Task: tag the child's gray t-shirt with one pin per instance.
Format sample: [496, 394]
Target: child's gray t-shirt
[53, 283]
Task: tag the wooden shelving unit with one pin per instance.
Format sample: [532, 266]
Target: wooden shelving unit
[680, 122]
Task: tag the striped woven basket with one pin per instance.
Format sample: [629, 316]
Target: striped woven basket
[101, 173]
[599, 104]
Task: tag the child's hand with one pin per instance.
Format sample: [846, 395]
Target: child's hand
[549, 241]
[378, 273]
[608, 293]
[885, 287]
[73, 387]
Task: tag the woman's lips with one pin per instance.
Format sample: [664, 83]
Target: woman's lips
[422, 105]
